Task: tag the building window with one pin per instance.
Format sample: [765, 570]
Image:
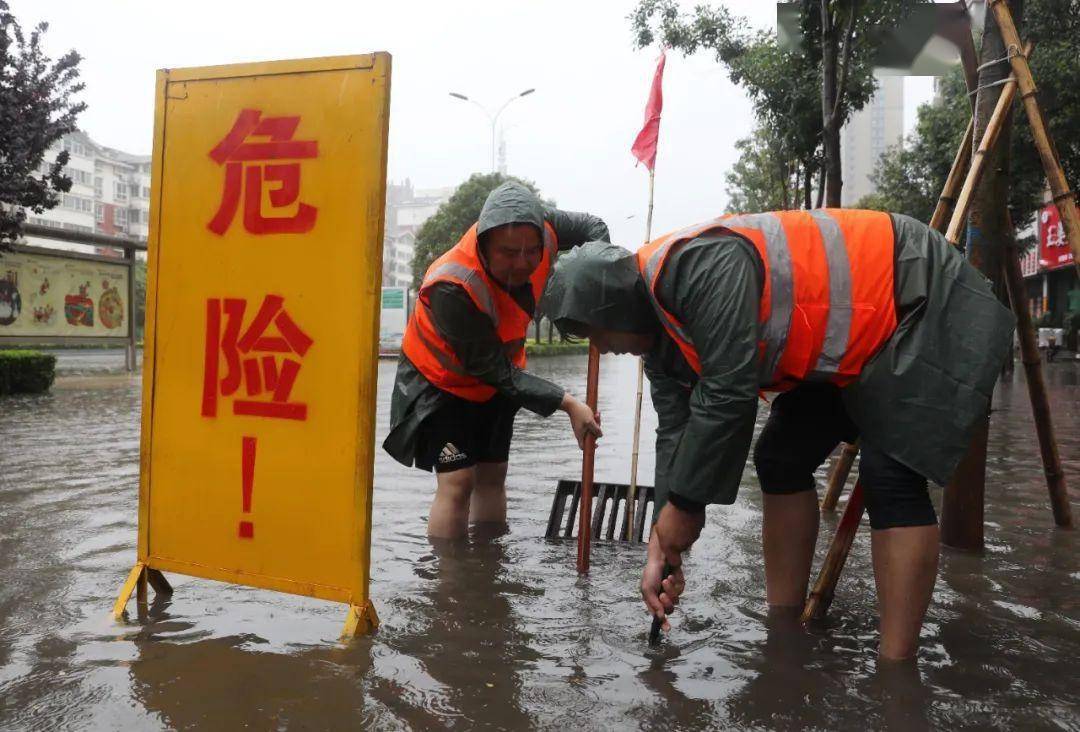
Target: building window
[81, 177]
[99, 187]
[146, 192]
[119, 191]
[120, 217]
[77, 203]
[99, 213]
[75, 148]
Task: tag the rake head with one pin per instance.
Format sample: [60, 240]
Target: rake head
[608, 511]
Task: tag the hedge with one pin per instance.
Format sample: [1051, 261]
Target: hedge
[29, 372]
[556, 348]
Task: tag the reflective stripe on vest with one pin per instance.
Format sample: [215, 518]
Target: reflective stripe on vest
[827, 304]
[424, 346]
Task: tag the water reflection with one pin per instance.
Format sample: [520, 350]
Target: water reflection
[228, 682]
[467, 644]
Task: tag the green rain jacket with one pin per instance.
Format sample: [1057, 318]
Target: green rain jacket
[471, 333]
[917, 400]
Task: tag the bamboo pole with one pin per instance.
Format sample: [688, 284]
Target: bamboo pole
[587, 463]
[822, 594]
[838, 475]
[1064, 199]
[980, 159]
[1040, 402]
[947, 199]
[631, 490]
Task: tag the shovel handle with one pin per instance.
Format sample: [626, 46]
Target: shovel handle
[657, 623]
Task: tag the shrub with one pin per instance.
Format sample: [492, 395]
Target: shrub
[29, 372]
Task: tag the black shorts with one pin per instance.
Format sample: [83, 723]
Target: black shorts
[460, 434]
[804, 427]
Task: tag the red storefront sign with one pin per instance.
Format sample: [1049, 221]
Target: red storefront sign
[1054, 251]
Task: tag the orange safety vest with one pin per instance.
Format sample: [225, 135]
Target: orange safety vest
[827, 305]
[461, 265]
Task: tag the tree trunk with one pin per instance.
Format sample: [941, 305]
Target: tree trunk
[834, 181]
[830, 42]
[808, 186]
[821, 187]
[782, 172]
[988, 233]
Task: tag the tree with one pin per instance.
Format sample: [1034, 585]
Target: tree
[803, 96]
[37, 108]
[453, 219]
[765, 177]
[909, 179]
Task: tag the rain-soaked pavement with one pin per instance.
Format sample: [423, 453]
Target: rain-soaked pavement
[502, 633]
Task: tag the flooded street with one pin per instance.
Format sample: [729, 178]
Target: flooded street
[502, 634]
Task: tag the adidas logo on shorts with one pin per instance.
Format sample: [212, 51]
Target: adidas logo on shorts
[450, 454]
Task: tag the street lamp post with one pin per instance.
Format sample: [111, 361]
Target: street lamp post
[493, 118]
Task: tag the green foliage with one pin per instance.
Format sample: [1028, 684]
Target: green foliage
[764, 178]
[556, 349]
[26, 372]
[453, 219]
[37, 108]
[910, 178]
[785, 86]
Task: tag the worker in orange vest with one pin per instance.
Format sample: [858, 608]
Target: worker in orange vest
[868, 324]
[461, 378]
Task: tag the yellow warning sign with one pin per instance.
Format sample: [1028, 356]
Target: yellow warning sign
[262, 334]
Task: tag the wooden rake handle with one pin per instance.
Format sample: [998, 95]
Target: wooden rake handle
[587, 462]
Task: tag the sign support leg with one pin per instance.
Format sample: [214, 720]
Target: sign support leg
[361, 620]
[135, 584]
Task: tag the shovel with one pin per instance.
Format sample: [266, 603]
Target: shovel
[600, 511]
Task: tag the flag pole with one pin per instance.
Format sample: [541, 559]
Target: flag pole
[631, 497]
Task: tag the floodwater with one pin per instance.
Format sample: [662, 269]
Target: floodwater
[501, 633]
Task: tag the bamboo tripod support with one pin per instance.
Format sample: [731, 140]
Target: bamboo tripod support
[1064, 199]
[631, 495]
[1040, 401]
[824, 588]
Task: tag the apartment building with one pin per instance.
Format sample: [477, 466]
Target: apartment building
[110, 190]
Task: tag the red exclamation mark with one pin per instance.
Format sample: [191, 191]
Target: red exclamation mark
[247, 528]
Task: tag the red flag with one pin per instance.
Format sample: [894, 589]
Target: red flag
[644, 147]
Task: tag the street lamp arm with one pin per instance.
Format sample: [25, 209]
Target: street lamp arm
[509, 101]
[493, 118]
[482, 108]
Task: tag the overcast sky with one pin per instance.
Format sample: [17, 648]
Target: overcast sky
[572, 136]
